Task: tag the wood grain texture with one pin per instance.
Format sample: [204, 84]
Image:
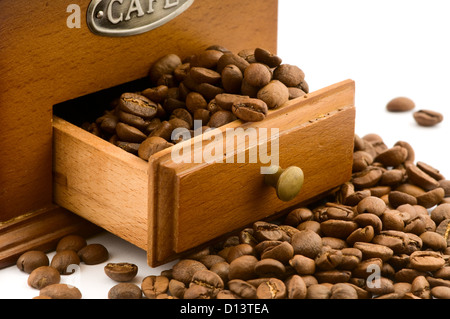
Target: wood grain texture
[101, 183]
[197, 202]
[43, 62]
[40, 230]
[169, 208]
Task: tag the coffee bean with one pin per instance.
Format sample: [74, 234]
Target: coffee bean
[71, 242]
[221, 118]
[243, 268]
[295, 287]
[64, 260]
[343, 291]
[400, 104]
[428, 117]
[129, 133]
[93, 254]
[60, 291]
[232, 79]
[420, 178]
[289, 75]
[274, 94]
[250, 110]
[138, 105]
[164, 65]
[204, 75]
[242, 289]
[257, 75]
[121, 271]
[31, 260]
[152, 286]
[43, 276]
[231, 58]
[152, 145]
[267, 231]
[440, 292]
[307, 243]
[125, 290]
[426, 260]
[185, 269]
[265, 57]
[271, 289]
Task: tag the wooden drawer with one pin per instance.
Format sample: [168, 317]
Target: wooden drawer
[168, 208]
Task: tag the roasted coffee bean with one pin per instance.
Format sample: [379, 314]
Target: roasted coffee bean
[121, 271]
[265, 57]
[273, 288]
[61, 291]
[426, 260]
[343, 291]
[289, 75]
[164, 65]
[269, 267]
[257, 75]
[157, 94]
[209, 280]
[43, 276]
[226, 100]
[400, 104]
[138, 105]
[420, 178]
[303, 265]
[231, 58]
[232, 79]
[31, 260]
[185, 269]
[282, 252]
[133, 120]
[152, 145]
[125, 290]
[221, 118]
[428, 117]
[372, 205]
[177, 288]
[440, 213]
[71, 242]
[430, 170]
[242, 289]
[205, 75]
[295, 287]
[431, 198]
[267, 231]
[206, 59]
[128, 133]
[93, 254]
[440, 292]
[242, 268]
[152, 286]
[338, 228]
[307, 243]
[250, 110]
[420, 287]
[274, 94]
[64, 260]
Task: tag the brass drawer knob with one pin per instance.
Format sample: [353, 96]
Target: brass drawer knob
[287, 182]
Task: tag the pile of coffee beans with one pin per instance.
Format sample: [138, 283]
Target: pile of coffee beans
[214, 87]
[383, 234]
[45, 275]
[422, 117]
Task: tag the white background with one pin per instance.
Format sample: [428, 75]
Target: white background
[389, 47]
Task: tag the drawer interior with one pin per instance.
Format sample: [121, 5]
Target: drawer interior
[168, 208]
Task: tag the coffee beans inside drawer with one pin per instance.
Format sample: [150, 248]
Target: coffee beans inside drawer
[206, 90]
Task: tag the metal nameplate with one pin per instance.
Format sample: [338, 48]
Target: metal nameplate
[118, 18]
